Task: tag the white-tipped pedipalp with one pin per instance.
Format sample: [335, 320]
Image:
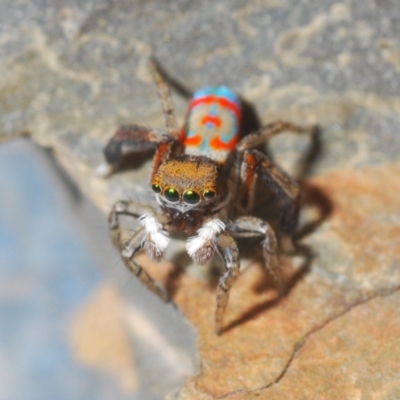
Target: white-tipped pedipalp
[154, 231]
[205, 235]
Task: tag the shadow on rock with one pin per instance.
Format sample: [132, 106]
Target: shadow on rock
[283, 288]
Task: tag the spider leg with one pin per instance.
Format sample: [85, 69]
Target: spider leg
[247, 227]
[284, 187]
[140, 239]
[124, 208]
[126, 140]
[248, 168]
[165, 97]
[228, 250]
[267, 132]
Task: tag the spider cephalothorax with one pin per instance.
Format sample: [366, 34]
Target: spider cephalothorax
[189, 182]
[189, 189]
[203, 178]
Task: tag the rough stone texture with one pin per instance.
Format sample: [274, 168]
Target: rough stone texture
[72, 72]
[356, 264]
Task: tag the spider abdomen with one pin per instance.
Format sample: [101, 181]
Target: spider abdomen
[213, 123]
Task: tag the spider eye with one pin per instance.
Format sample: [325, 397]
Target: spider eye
[156, 188]
[191, 197]
[209, 194]
[171, 195]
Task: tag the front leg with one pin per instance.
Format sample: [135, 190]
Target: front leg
[149, 236]
[229, 252]
[247, 227]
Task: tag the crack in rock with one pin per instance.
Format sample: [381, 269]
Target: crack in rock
[362, 299]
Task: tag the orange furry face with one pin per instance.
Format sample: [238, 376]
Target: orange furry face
[189, 181]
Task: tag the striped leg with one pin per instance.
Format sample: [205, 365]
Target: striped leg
[256, 163]
[166, 102]
[267, 132]
[228, 250]
[246, 227]
[284, 187]
[136, 243]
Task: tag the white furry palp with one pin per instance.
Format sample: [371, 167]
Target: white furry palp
[156, 239]
[201, 247]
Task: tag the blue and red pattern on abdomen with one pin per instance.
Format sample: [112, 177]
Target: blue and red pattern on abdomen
[213, 123]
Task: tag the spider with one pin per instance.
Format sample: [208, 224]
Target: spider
[203, 179]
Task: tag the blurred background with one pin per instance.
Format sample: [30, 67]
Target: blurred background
[64, 333]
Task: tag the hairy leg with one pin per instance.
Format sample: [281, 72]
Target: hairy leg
[255, 163]
[166, 102]
[284, 187]
[247, 227]
[267, 132]
[228, 250]
[139, 240]
[129, 139]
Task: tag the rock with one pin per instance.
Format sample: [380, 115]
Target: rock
[72, 73]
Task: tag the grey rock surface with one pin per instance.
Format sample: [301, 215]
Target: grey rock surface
[72, 71]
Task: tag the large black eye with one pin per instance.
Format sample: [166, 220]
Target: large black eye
[171, 195]
[209, 194]
[156, 188]
[191, 197]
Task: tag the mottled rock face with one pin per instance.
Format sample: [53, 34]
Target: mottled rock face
[283, 344]
[72, 71]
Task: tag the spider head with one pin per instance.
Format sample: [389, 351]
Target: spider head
[189, 183]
